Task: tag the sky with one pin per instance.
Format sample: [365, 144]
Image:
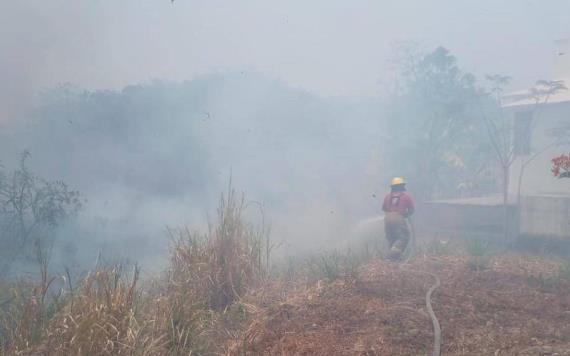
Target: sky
[331, 48]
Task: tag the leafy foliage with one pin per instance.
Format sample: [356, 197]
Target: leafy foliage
[433, 123]
[478, 251]
[31, 208]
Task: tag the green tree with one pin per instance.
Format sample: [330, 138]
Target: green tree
[433, 128]
[31, 208]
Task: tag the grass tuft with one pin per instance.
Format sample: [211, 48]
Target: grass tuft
[108, 313]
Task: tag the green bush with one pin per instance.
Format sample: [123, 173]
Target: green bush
[564, 271]
[478, 251]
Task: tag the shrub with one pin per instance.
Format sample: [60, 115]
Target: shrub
[324, 266]
[564, 271]
[478, 251]
[333, 265]
[31, 208]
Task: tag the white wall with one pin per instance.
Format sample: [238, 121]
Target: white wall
[546, 216]
[538, 178]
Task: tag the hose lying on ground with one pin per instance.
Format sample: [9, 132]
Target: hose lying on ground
[408, 253]
[435, 322]
[431, 313]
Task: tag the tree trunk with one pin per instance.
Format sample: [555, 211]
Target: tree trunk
[506, 221]
[519, 195]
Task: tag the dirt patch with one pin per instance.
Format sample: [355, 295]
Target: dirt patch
[515, 306]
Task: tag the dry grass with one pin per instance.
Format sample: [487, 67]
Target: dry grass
[26, 309]
[186, 312]
[100, 319]
[22, 318]
[221, 265]
[208, 273]
[488, 312]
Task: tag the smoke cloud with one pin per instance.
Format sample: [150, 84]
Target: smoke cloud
[148, 108]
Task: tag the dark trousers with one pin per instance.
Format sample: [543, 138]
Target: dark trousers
[397, 233]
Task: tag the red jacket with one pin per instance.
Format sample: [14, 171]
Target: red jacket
[399, 202]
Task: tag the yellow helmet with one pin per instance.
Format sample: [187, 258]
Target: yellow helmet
[397, 181]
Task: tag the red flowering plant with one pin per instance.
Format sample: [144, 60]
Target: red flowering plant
[561, 166]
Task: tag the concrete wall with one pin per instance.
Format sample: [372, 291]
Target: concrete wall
[547, 216]
[538, 179]
[456, 218]
[541, 216]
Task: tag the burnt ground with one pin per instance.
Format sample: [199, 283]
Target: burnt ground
[516, 305]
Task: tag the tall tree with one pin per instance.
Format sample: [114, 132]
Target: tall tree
[432, 123]
[499, 130]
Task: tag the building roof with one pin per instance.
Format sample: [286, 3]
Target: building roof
[560, 71]
[521, 97]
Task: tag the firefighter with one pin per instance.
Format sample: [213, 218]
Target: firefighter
[398, 207]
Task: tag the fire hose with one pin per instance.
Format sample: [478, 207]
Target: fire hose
[434, 321]
[408, 253]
